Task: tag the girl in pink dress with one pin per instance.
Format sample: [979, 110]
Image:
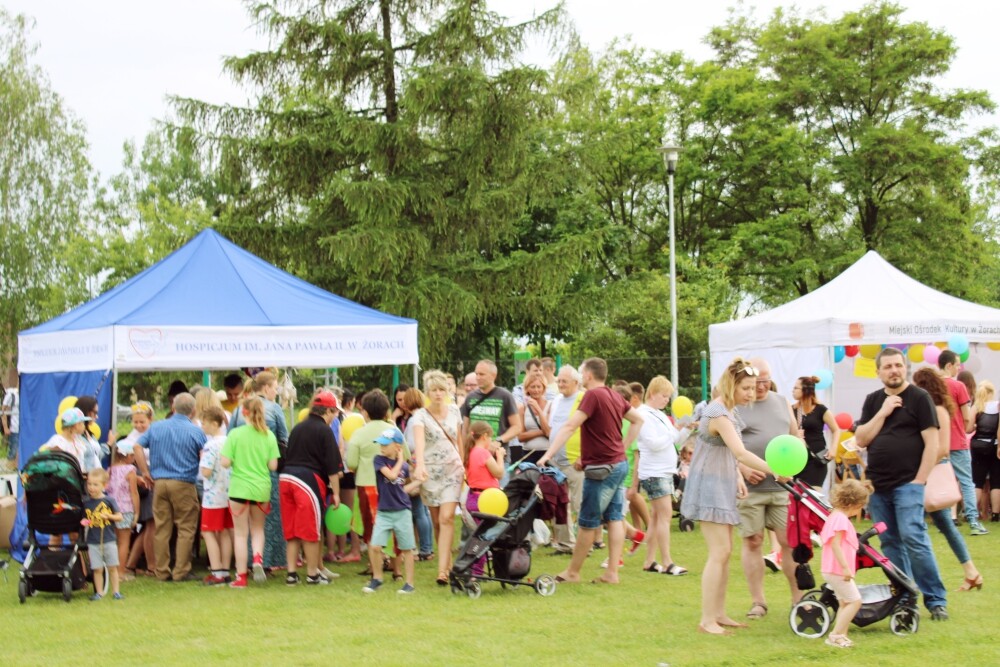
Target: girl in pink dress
[840, 551]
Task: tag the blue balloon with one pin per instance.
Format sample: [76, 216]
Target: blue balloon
[839, 353]
[825, 378]
[958, 343]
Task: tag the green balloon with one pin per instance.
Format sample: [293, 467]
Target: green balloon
[338, 519]
[787, 455]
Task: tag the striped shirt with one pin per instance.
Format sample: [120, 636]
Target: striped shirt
[175, 446]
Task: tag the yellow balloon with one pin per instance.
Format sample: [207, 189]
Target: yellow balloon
[303, 413]
[993, 346]
[682, 407]
[493, 501]
[870, 351]
[916, 353]
[941, 345]
[67, 403]
[351, 423]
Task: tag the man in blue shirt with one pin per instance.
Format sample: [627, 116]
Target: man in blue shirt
[175, 446]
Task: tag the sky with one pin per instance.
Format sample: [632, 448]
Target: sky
[115, 62]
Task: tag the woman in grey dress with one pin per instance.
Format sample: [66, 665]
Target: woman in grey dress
[714, 484]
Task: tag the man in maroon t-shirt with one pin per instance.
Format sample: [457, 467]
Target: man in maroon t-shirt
[602, 458]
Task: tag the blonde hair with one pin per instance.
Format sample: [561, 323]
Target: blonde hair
[850, 494]
[253, 412]
[985, 393]
[477, 429]
[264, 379]
[659, 385]
[205, 399]
[435, 379]
[99, 474]
[731, 378]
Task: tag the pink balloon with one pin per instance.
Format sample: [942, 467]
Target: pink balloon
[931, 354]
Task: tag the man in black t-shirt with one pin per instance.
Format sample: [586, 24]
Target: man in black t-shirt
[900, 429]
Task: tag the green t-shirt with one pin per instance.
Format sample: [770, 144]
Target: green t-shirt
[629, 454]
[250, 451]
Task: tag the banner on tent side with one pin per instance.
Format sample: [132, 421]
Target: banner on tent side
[155, 348]
[81, 350]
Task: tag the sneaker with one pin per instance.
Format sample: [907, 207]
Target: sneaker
[328, 574]
[259, 576]
[976, 528]
[95, 597]
[292, 579]
[317, 580]
[372, 586]
[117, 596]
[939, 614]
[212, 580]
[406, 589]
[771, 560]
[637, 541]
[240, 581]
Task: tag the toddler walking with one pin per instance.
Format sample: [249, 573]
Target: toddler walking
[840, 551]
[101, 515]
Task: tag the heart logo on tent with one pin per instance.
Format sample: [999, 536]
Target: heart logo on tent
[145, 342]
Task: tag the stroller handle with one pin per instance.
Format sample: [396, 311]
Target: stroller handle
[494, 517]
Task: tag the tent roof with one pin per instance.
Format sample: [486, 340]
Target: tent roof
[212, 282]
[870, 302]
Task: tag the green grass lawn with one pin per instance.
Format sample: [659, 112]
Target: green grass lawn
[648, 620]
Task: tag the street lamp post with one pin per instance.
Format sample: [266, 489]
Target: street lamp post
[670, 152]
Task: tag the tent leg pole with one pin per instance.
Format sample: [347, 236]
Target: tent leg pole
[114, 398]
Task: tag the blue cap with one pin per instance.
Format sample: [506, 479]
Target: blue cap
[389, 436]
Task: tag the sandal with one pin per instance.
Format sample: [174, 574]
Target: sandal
[757, 611]
[677, 571]
[442, 580]
[654, 567]
[426, 557]
[840, 641]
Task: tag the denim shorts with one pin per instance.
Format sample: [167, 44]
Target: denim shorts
[603, 500]
[398, 522]
[657, 487]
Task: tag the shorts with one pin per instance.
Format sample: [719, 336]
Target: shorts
[603, 500]
[763, 509]
[126, 522]
[846, 591]
[657, 487]
[265, 506]
[301, 510]
[103, 555]
[216, 519]
[347, 481]
[398, 522]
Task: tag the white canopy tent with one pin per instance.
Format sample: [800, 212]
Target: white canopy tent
[871, 302]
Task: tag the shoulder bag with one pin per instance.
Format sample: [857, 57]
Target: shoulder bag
[942, 488]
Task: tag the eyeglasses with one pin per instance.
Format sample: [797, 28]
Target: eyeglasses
[750, 370]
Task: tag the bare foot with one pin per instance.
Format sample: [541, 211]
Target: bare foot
[602, 580]
[727, 622]
[713, 629]
[565, 577]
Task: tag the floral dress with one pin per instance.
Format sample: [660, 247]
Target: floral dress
[441, 458]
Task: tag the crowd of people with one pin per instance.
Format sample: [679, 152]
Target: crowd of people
[225, 465]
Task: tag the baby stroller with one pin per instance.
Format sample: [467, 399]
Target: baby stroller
[813, 615]
[53, 491]
[684, 524]
[504, 541]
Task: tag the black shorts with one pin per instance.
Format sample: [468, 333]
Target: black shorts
[347, 482]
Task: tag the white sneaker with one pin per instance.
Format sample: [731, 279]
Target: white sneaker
[328, 574]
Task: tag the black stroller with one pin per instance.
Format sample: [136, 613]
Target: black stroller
[813, 615]
[504, 542]
[53, 490]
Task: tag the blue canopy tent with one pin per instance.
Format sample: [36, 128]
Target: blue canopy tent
[209, 305]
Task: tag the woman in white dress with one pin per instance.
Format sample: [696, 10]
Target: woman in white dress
[436, 431]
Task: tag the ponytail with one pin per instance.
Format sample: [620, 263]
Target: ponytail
[253, 412]
[477, 429]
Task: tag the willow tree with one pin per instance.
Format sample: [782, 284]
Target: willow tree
[391, 156]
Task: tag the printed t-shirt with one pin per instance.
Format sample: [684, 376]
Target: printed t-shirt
[894, 453]
[100, 530]
[216, 485]
[601, 436]
[478, 475]
[391, 496]
[250, 451]
[495, 408]
[838, 522]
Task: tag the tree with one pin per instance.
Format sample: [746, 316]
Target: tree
[46, 254]
[391, 157]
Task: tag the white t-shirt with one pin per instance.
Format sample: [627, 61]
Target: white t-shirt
[216, 491]
[12, 409]
[657, 444]
[77, 448]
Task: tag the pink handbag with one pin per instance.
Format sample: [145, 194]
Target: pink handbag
[942, 488]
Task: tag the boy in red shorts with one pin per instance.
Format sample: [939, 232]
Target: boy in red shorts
[216, 521]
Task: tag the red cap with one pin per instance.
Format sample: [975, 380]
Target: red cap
[325, 399]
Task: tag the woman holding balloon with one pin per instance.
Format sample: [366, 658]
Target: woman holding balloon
[812, 416]
[714, 484]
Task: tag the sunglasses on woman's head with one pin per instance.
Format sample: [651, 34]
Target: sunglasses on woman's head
[750, 370]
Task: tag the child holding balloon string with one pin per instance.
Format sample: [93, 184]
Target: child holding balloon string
[484, 459]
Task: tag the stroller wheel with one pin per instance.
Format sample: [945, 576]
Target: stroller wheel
[67, 589]
[22, 590]
[815, 595]
[904, 621]
[474, 590]
[810, 619]
[545, 585]
[686, 525]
